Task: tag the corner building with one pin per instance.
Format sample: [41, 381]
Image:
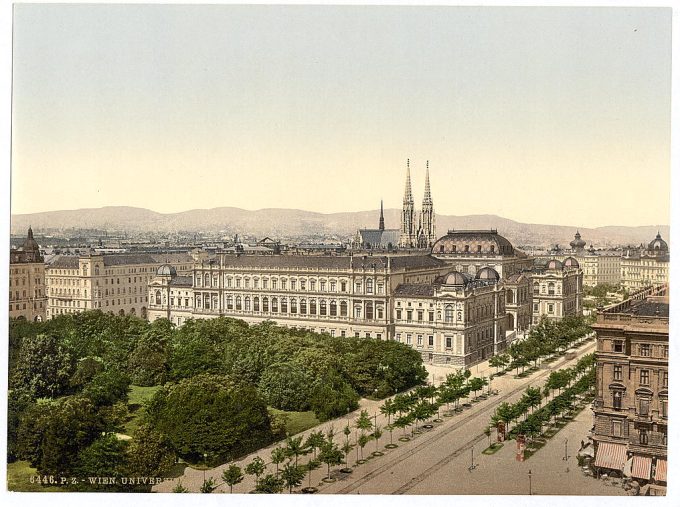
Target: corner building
[27, 291]
[631, 404]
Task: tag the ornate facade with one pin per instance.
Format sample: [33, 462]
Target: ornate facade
[631, 404]
[27, 293]
[557, 289]
[646, 266]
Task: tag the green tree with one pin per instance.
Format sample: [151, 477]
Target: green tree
[148, 363]
[278, 456]
[208, 485]
[314, 441]
[149, 454]
[210, 414]
[377, 433]
[333, 396]
[44, 367]
[179, 488]
[256, 467]
[232, 476]
[269, 484]
[286, 386]
[105, 457]
[108, 387]
[292, 476]
[294, 447]
[330, 455]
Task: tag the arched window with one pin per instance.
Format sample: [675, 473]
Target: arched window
[246, 303]
[380, 313]
[369, 286]
[207, 280]
[333, 309]
[551, 289]
[369, 308]
[85, 270]
[284, 304]
[238, 302]
[303, 306]
[312, 306]
[265, 304]
[96, 270]
[158, 297]
[256, 304]
[199, 279]
[322, 307]
[230, 302]
[215, 283]
[275, 305]
[293, 305]
[536, 287]
[343, 308]
[448, 313]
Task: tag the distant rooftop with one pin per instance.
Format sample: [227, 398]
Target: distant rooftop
[648, 302]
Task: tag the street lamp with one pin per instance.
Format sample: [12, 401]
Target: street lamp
[566, 455]
[205, 464]
[472, 460]
[529, 481]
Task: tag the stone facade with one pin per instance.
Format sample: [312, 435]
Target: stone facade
[631, 404]
[27, 292]
[116, 283]
[557, 289]
[645, 266]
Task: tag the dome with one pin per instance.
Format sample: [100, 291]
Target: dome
[456, 278]
[577, 243]
[553, 264]
[487, 274]
[465, 243]
[658, 245]
[166, 270]
[30, 244]
[570, 262]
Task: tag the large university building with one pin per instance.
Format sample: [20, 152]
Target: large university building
[646, 266]
[557, 289]
[116, 283]
[27, 293]
[631, 404]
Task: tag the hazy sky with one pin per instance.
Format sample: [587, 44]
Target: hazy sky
[543, 115]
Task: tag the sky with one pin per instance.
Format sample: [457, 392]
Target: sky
[542, 115]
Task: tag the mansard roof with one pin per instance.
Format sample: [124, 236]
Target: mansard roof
[414, 289]
[491, 243]
[329, 262]
[65, 261]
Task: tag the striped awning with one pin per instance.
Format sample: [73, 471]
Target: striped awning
[661, 467]
[610, 456]
[642, 467]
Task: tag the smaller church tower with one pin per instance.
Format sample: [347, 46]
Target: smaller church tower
[427, 235]
[381, 223]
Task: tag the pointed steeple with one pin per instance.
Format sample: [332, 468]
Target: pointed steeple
[408, 196]
[30, 232]
[427, 198]
[381, 224]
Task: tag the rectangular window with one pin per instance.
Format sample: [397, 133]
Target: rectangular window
[618, 372]
[448, 342]
[617, 428]
[398, 337]
[430, 341]
[617, 397]
[644, 377]
[409, 339]
[293, 284]
[645, 350]
[409, 315]
[284, 285]
[343, 286]
[398, 314]
[430, 317]
[644, 407]
[420, 315]
[368, 334]
[342, 333]
[644, 437]
[664, 351]
[618, 345]
[420, 339]
[664, 409]
[664, 379]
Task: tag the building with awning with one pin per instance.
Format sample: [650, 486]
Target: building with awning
[610, 455]
[661, 470]
[642, 467]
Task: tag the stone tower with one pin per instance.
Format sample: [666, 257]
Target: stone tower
[426, 234]
[408, 235]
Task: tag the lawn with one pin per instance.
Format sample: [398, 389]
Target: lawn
[19, 476]
[136, 398]
[297, 422]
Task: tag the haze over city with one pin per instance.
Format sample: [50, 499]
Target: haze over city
[177, 107]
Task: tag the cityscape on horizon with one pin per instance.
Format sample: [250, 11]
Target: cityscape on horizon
[212, 336]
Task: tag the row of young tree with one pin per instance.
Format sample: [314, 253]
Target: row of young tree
[538, 406]
[288, 472]
[549, 337]
[70, 378]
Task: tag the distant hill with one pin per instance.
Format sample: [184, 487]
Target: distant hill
[293, 223]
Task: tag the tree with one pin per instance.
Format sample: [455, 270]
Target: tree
[476, 384]
[377, 433]
[292, 476]
[148, 363]
[44, 367]
[210, 414]
[256, 467]
[315, 440]
[108, 387]
[294, 447]
[363, 422]
[208, 485]
[330, 455]
[232, 476]
[105, 457]
[149, 454]
[363, 440]
[278, 456]
[286, 386]
[333, 396]
[179, 488]
[487, 432]
[388, 408]
[269, 484]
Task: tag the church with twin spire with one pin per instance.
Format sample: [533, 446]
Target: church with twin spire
[417, 229]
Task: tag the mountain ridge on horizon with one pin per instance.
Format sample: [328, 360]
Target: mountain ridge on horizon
[286, 222]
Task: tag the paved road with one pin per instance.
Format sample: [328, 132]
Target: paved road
[403, 470]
